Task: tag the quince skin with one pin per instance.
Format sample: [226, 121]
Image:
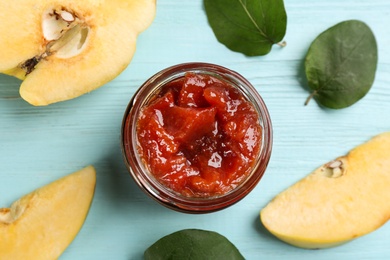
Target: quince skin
[340, 201]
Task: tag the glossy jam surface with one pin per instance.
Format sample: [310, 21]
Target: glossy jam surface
[199, 136]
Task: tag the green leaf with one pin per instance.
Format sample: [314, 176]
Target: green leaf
[247, 26]
[341, 64]
[193, 244]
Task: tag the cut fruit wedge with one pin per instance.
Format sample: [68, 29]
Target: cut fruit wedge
[338, 202]
[43, 223]
[63, 49]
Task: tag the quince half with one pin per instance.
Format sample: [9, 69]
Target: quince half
[338, 202]
[63, 49]
[42, 224]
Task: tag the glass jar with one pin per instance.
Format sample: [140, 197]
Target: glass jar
[146, 180]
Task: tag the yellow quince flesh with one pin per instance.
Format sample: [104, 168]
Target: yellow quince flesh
[42, 224]
[338, 202]
[64, 49]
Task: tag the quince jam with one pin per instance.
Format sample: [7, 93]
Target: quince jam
[199, 136]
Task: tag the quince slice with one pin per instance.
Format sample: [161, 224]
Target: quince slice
[63, 49]
[43, 223]
[338, 202]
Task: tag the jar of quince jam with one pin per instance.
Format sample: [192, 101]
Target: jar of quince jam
[196, 137]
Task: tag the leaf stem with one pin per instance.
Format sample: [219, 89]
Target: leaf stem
[282, 44]
[310, 97]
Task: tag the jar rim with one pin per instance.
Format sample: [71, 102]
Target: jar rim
[153, 187]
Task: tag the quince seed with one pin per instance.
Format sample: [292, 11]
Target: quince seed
[334, 164]
[66, 16]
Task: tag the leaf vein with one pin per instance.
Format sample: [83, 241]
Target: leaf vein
[341, 64]
[252, 19]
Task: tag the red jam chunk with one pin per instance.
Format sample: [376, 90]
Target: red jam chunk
[199, 136]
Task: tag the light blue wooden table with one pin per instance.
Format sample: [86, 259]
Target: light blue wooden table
[41, 144]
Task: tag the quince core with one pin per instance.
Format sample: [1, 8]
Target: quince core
[63, 49]
[42, 224]
[338, 202]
